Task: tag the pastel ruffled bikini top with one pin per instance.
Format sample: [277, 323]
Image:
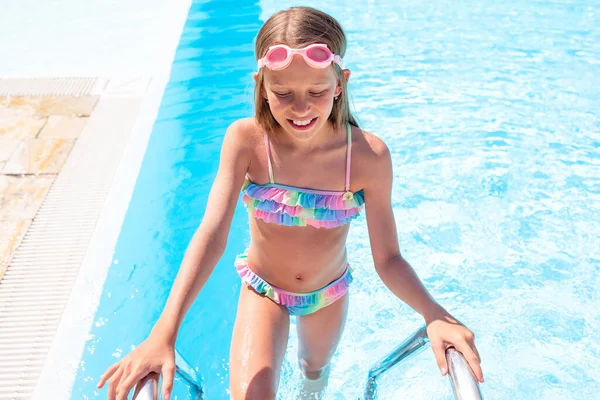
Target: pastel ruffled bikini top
[295, 206]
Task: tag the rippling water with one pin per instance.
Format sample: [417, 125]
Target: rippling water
[492, 113]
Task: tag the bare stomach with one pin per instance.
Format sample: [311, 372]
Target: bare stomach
[297, 259]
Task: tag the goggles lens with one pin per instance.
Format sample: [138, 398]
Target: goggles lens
[318, 54]
[277, 55]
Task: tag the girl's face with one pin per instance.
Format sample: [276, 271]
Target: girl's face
[301, 97]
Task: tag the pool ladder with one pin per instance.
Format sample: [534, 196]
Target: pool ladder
[464, 383]
[147, 388]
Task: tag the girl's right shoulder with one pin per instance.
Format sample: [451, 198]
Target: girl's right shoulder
[244, 134]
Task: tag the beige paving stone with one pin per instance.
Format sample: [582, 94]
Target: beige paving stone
[19, 106]
[47, 105]
[38, 156]
[18, 127]
[4, 183]
[7, 148]
[22, 196]
[12, 232]
[59, 126]
[67, 105]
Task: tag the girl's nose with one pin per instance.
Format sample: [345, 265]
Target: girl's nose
[300, 106]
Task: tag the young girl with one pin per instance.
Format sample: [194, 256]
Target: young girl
[306, 170]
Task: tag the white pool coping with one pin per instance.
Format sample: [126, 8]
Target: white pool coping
[60, 367]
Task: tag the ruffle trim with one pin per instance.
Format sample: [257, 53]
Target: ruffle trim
[321, 214]
[318, 298]
[288, 220]
[294, 198]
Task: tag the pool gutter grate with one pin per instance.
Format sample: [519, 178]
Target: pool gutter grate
[79, 86]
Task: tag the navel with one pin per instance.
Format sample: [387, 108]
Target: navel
[298, 277]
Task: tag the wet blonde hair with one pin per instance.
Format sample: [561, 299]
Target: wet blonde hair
[298, 27]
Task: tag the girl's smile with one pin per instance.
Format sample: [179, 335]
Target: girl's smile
[303, 125]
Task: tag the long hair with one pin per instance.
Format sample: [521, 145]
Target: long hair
[299, 27]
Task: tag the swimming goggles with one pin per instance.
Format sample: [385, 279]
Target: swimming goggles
[316, 55]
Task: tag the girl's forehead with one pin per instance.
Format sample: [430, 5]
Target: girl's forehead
[292, 82]
[300, 73]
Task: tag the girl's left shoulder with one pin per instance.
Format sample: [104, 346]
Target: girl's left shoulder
[371, 160]
[368, 148]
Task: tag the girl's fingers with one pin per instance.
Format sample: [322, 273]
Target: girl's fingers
[103, 378]
[439, 350]
[472, 358]
[129, 381]
[168, 373]
[474, 349]
[480, 376]
[470, 339]
[113, 384]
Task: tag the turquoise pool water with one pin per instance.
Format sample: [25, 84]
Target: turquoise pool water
[492, 113]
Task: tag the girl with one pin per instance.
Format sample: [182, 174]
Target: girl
[306, 170]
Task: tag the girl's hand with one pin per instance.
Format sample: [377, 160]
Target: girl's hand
[152, 355]
[445, 331]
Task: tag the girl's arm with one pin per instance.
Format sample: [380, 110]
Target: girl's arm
[156, 353]
[209, 241]
[397, 274]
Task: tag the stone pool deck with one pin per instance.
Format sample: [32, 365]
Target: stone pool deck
[37, 134]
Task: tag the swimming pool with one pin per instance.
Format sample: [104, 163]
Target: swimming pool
[492, 114]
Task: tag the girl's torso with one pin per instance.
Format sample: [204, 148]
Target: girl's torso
[302, 258]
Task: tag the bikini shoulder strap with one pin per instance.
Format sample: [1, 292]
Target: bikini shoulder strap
[267, 147]
[348, 157]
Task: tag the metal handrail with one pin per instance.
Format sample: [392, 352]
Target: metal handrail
[147, 388]
[464, 384]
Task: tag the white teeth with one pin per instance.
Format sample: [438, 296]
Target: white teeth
[302, 123]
